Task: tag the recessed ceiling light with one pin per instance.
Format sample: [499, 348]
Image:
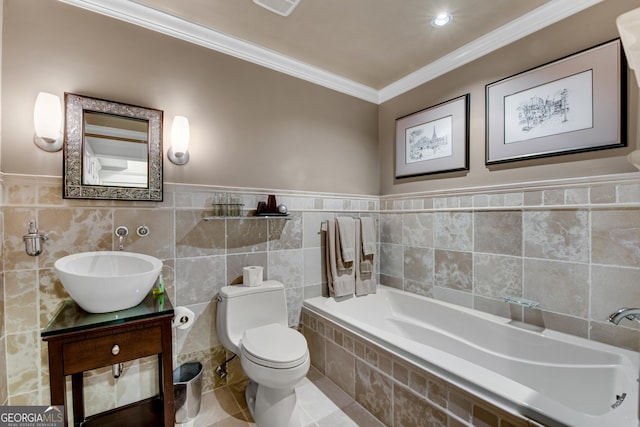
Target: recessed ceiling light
[441, 19]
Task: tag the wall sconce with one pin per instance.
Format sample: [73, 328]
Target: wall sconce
[179, 151]
[47, 116]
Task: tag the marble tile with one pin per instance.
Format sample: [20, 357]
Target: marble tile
[576, 196]
[312, 224]
[216, 406]
[453, 270]
[199, 279]
[558, 322]
[559, 286]
[620, 336]
[559, 235]
[340, 368]
[615, 235]
[316, 345]
[285, 233]
[418, 264]
[202, 334]
[246, 235]
[613, 288]
[417, 229]
[496, 275]
[21, 303]
[196, 237]
[628, 193]
[391, 228]
[295, 297]
[419, 287]
[553, 197]
[314, 266]
[498, 233]
[410, 410]
[374, 391]
[453, 230]
[23, 360]
[287, 267]
[74, 230]
[51, 294]
[4, 390]
[15, 226]
[49, 193]
[391, 263]
[533, 198]
[602, 194]
[236, 262]
[160, 241]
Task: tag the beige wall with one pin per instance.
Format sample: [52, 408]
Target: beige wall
[589, 28]
[250, 126]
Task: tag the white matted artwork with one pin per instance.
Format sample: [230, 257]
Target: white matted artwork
[433, 140]
[571, 105]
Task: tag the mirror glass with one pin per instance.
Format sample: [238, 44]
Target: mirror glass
[111, 150]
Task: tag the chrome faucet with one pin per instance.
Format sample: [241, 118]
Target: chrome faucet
[625, 313]
[121, 232]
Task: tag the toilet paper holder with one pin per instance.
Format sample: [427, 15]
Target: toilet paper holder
[183, 318]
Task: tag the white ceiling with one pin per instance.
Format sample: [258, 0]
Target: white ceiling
[371, 49]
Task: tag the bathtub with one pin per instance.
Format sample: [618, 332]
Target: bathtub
[546, 376]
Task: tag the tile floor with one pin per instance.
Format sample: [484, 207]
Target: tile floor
[322, 404]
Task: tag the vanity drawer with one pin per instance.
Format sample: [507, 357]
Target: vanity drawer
[107, 350]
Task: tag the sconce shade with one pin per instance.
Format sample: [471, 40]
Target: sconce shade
[629, 28]
[47, 116]
[180, 135]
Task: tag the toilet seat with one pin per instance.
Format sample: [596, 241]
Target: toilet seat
[275, 346]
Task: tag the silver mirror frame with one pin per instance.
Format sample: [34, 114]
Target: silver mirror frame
[72, 187]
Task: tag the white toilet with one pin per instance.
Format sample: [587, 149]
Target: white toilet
[252, 323]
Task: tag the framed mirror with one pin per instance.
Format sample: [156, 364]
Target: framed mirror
[112, 151]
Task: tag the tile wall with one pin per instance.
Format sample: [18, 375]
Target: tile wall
[199, 257]
[574, 247]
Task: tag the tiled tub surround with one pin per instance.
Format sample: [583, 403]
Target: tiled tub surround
[395, 391]
[553, 378]
[199, 257]
[575, 248]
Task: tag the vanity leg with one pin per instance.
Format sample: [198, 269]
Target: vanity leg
[166, 373]
[78, 398]
[57, 387]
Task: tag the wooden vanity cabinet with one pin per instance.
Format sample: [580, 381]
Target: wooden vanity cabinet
[79, 341]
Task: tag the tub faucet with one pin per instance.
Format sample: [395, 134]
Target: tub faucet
[625, 313]
[121, 232]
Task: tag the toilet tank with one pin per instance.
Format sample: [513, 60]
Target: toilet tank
[244, 307]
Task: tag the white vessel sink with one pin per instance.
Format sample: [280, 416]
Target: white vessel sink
[105, 281]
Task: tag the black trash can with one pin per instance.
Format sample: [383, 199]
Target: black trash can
[187, 390]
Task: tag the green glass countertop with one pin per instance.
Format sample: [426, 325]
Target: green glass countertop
[71, 318]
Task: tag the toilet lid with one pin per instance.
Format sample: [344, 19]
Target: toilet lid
[275, 346]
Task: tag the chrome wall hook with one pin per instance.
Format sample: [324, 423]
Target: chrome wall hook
[33, 240]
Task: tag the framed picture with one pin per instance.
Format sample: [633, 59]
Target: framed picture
[571, 105]
[434, 140]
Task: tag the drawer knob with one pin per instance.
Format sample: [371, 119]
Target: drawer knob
[115, 350]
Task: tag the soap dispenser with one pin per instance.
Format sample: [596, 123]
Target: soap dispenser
[33, 240]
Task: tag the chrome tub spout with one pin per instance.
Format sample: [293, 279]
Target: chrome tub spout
[625, 313]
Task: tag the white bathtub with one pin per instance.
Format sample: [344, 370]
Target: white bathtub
[550, 377]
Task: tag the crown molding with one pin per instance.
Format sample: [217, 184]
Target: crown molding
[152, 19]
[537, 19]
